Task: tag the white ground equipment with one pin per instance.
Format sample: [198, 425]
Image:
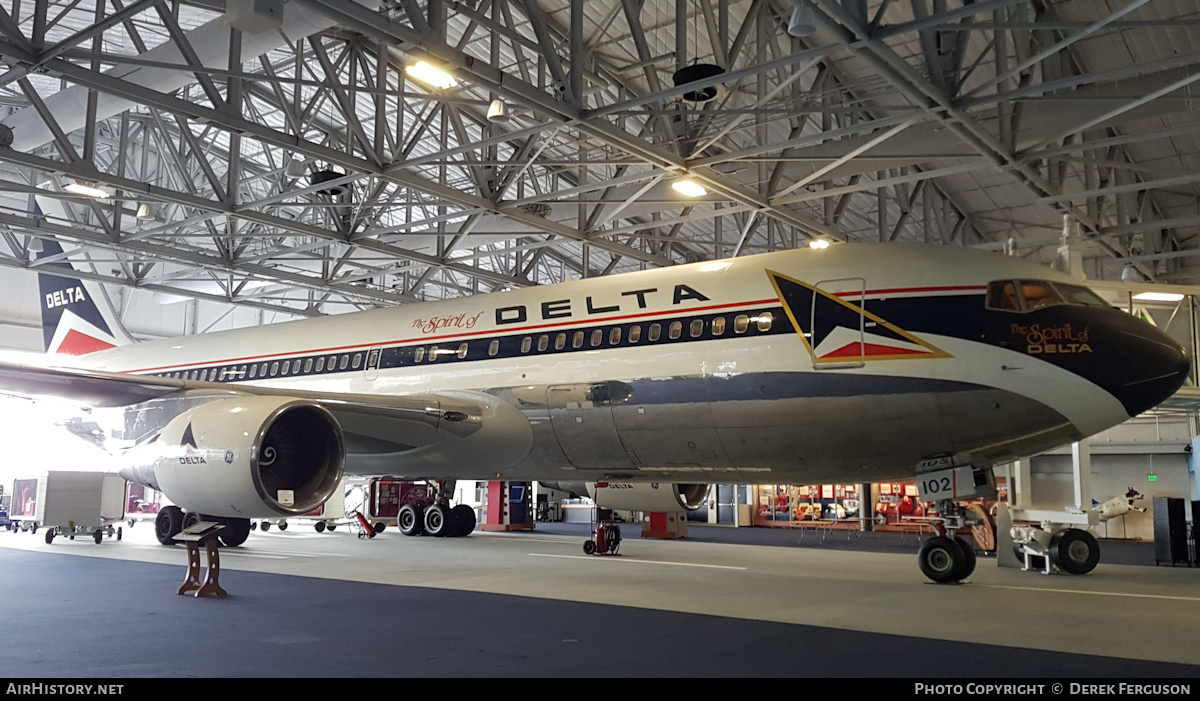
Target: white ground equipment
[1049, 541]
[81, 504]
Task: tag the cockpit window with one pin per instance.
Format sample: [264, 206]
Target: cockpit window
[1039, 294]
[1030, 295]
[1078, 294]
[1002, 295]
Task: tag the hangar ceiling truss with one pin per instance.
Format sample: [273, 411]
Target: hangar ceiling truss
[306, 169]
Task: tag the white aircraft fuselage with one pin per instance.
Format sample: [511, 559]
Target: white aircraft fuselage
[848, 364]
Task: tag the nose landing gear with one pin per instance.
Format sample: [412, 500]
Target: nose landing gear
[945, 559]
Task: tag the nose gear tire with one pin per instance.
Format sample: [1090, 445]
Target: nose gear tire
[942, 560]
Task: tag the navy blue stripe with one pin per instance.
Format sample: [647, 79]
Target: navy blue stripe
[769, 386]
[956, 316]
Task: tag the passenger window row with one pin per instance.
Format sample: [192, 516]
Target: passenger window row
[275, 368]
[716, 326]
[654, 332]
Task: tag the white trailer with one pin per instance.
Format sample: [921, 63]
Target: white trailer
[80, 503]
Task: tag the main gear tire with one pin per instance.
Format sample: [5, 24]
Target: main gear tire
[167, 524]
[438, 521]
[411, 520]
[464, 520]
[237, 530]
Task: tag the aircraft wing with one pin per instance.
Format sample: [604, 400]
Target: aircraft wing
[86, 387]
[383, 433]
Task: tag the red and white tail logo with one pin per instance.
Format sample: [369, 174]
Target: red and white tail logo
[77, 318]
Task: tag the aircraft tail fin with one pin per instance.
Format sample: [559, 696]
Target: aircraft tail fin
[77, 317]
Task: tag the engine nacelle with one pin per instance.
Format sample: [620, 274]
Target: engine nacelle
[245, 457]
[648, 496]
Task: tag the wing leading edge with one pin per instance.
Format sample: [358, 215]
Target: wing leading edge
[403, 435]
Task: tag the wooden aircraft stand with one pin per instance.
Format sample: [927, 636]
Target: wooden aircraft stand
[204, 532]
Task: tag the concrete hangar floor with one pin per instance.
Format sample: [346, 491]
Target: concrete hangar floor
[531, 604]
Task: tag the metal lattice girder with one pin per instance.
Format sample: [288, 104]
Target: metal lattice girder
[930, 120]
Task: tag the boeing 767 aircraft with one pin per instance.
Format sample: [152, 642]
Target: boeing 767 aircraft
[855, 363]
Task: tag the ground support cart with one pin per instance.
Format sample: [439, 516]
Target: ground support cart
[96, 533]
[87, 504]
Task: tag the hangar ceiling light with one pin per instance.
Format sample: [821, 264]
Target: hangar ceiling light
[1158, 296]
[431, 75]
[87, 190]
[689, 188]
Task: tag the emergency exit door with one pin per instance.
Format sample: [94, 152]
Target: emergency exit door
[372, 369]
[836, 325]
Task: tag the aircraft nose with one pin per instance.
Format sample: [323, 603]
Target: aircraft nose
[1150, 366]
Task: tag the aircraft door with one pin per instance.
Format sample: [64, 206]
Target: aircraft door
[582, 418]
[837, 327]
[372, 370]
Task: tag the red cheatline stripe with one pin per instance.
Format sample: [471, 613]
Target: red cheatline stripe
[501, 331]
[915, 290]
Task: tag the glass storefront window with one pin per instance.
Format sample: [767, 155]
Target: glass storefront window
[797, 505]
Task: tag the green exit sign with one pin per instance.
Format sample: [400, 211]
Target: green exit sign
[1151, 478]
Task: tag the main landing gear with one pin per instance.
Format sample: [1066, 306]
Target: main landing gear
[171, 520]
[436, 517]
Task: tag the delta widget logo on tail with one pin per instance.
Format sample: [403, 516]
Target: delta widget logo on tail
[73, 320]
[835, 330]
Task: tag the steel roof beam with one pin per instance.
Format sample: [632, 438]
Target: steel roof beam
[295, 143]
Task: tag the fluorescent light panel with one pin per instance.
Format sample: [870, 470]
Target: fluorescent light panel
[430, 75]
[1158, 296]
[688, 188]
[86, 190]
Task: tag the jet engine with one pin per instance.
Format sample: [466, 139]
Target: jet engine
[244, 457]
[648, 496]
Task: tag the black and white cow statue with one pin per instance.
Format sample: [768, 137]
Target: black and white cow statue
[1119, 506]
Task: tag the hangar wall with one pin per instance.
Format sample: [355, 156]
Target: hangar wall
[20, 318]
[1123, 457]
